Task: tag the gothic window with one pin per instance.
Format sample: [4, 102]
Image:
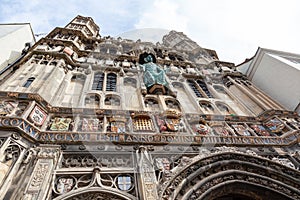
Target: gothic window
[130, 82]
[143, 123]
[112, 101]
[98, 81]
[194, 87]
[219, 89]
[206, 106]
[178, 85]
[44, 62]
[172, 104]
[111, 82]
[204, 88]
[53, 63]
[223, 108]
[92, 101]
[28, 82]
[151, 103]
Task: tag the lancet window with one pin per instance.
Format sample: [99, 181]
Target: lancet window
[111, 82]
[194, 87]
[98, 81]
[204, 88]
[28, 82]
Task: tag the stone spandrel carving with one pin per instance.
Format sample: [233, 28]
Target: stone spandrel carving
[107, 161]
[65, 185]
[39, 181]
[163, 165]
[6, 107]
[40, 172]
[11, 155]
[12, 108]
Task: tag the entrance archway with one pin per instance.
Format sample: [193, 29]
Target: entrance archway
[230, 176]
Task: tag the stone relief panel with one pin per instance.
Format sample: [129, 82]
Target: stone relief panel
[9, 158]
[12, 108]
[121, 182]
[107, 161]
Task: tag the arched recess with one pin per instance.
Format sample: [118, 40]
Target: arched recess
[94, 192]
[216, 175]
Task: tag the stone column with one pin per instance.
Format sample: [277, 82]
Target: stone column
[39, 184]
[147, 181]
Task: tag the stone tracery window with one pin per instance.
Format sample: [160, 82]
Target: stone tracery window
[194, 87]
[223, 108]
[204, 88]
[98, 81]
[219, 89]
[112, 100]
[206, 106]
[111, 82]
[28, 82]
[151, 103]
[172, 104]
[92, 101]
[130, 82]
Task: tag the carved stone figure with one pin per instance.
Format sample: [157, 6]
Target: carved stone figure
[153, 74]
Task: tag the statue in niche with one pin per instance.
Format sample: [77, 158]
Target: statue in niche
[154, 76]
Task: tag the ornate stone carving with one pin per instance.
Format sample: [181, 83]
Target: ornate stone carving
[37, 116]
[61, 124]
[70, 161]
[147, 174]
[241, 164]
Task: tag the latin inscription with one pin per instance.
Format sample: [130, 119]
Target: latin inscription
[60, 137]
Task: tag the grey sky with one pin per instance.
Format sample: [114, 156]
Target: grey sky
[234, 28]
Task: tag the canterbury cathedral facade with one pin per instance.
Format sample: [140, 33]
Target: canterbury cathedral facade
[84, 116]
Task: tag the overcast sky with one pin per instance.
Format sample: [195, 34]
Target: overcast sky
[234, 28]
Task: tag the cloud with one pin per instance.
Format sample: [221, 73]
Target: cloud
[234, 28]
[44, 16]
[162, 14]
